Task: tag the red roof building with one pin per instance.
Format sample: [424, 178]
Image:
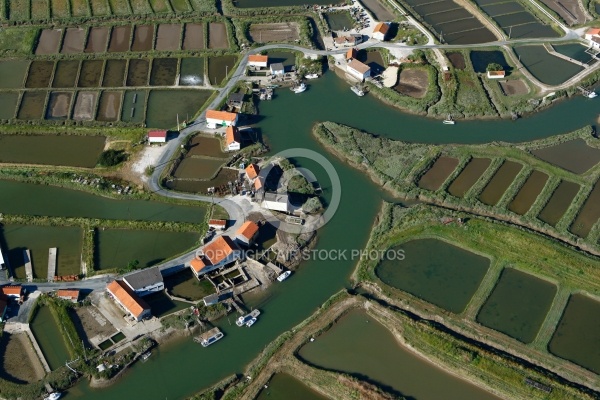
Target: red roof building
[68, 294]
[247, 233]
[218, 253]
[232, 138]
[252, 171]
[157, 136]
[12, 290]
[128, 300]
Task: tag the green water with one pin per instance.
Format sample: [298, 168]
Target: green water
[118, 247]
[12, 73]
[49, 338]
[165, 105]
[276, 3]
[134, 106]
[39, 239]
[285, 387]
[162, 305]
[361, 346]
[544, 66]
[186, 366]
[518, 305]
[8, 104]
[58, 202]
[191, 72]
[435, 271]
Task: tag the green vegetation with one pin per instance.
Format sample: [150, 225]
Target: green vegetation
[60, 312]
[110, 158]
[17, 41]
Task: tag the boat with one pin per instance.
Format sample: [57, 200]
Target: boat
[449, 120]
[208, 338]
[284, 276]
[592, 95]
[53, 396]
[146, 355]
[241, 321]
[357, 90]
[299, 89]
[311, 76]
[251, 322]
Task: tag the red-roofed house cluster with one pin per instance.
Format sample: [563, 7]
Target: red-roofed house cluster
[593, 35]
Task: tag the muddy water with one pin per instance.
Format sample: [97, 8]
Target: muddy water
[90, 73]
[39, 239]
[575, 155]
[435, 271]
[206, 146]
[85, 106]
[359, 345]
[588, 215]
[97, 40]
[117, 247]
[164, 72]
[501, 180]
[469, 175]
[193, 186]
[217, 36]
[133, 106]
[12, 73]
[119, 39]
[40, 73]
[32, 105]
[67, 150]
[65, 74]
[143, 38]
[219, 68]
[137, 74]
[74, 41]
[114, 73]
[8, 104]
[165, 105]
[109, 107]
[198, 168]
[284, 387]
[48, 42]
[49, 338]
[578, 333]
[193, 37]
[438, 173]
[191, 72]
[518, 305]
[528, 193]
[59, 105]
[168, 37]
[185, 285]
[559, 202]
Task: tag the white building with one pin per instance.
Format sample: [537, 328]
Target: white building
[216, 254]
[157, 137]
[277, 69]
[216, 118]
[232, 139]
[146, 281]
[358, 70]
[496, 74]
[258, 61]
[593, 36]
[276, 202]
[2, 263]
[380, 31]
[217, 224]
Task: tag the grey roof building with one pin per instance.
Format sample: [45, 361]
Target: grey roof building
[145, 281]
[277, 69]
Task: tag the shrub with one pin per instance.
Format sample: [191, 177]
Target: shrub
[110, 158]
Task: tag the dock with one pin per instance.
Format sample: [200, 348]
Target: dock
[28, 266]
[51, 264]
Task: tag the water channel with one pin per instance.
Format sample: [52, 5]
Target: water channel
[182, 368]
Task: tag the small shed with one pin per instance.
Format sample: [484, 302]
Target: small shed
[157, 136]
[68, 294]
[236, 100]
[496, 74]
[218, 224]
[277, 69]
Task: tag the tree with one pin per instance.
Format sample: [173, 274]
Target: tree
[111, 158]
[494, 67]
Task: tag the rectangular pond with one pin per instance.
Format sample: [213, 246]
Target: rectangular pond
[119, 39]
[143, 38]
[360, 346]
[12, 73]
[165, 105]
[528, 193]
[164, 72]
[518, 305]
[282, 386]
[8, 104]
[220, 182]
[217, 36]
[49, 338]
[65, 75]
[97, 39]
[544, 66]
[114, 73]
[90, 73]
[206, 146]
[59, 105]
[435, 271]
[506, 174]
[74, 41]
[85, 106]
[40, 73]
[191, 71]
[276, 3]
[39, 240]
[219, 68]
[559, 202]
[137, 73]
[468, 176]
[48, 42]
[338, 21]
[185, 285]
[134, 103]
[193, 36]
[68, 150]
[198, 168]
[116, 248]
[109, 107]
[32, 105]
[60, 202]
[162, 305]
[481, 59]
[575, 155]
[168, 37]
[588, 215]
[575, 51]
[438, 173]
[578, 333]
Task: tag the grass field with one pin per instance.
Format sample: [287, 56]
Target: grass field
[160, 6]
[18, 10]
[40, 9]
[120, 7]
[140, 6]
[80, 8]
[18, 40]
[180, 5]
[60, 8]
[100, 7]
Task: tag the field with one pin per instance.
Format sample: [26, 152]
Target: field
[413, 83]
[514, 87]
[274, 32]
[20, 363]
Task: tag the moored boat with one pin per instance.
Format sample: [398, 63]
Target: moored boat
[208, 338]
[284, 276]
[251, 322]
[53, 396]
[449, 120]
[311, 76]
[592, 95]
[299, 89]
[357, 90]
[146, 355]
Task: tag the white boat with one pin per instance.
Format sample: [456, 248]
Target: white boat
[208, 338]
[311, 76]
[146, 355]
[357, 90]
[251, 322]
[284, 276]
[241, 321]
[592, 95]
[299, 89]
[449, 120]
[53, 396]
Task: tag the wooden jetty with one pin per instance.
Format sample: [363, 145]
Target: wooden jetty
[28, 266]
[52, 264]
